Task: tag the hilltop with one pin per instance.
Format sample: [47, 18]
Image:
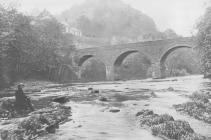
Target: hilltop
[111, 20]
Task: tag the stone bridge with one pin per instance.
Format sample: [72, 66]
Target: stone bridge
[113, 56]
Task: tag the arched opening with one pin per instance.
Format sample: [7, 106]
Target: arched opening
[92, 70]
[166, 54]
[131, 65]
[83, 59]
[67, 74]
[179, 61]
[121, 58]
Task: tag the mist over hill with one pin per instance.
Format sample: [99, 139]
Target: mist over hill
[112, 20]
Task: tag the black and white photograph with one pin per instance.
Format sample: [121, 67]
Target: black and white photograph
[105, 69]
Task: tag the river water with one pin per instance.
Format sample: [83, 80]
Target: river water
[93, 120]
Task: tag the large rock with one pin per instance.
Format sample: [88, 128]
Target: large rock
[166, 127]
[40, 122]
[170, 89]
[114, 110]
[148, 118]
[144, 113]
[61, 99]
[172, 129]
[103, 99]
[8, 108]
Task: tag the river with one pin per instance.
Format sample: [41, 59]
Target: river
[93, 120]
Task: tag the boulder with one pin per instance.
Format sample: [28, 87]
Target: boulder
[148, 118]
[52, 128]
[166, 127]
[7, 108]
[103, 99]
[172, 129]
[10, 109]
[95, 91]
[90, 88]
[114, 110]
[193, 136]
[145, 112]
[170, 89]
[39, 122]
[61, 99]
[153, 94]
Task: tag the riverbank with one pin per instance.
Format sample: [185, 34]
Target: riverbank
[198, 107]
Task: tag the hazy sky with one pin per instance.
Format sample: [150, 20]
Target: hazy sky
[179, 15]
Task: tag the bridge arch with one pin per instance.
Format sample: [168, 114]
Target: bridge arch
[131, 70]
[96, 70]
[84, 59]
[121, 57]
[67, 74]
[165, 56]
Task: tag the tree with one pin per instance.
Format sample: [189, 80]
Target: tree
[13, 35]
[204, 40]
[32, 41]
[169, 34]
[49, 39]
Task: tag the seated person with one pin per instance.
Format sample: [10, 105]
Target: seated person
[22, 102]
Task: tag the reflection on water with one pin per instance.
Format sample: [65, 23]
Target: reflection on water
[92, 119]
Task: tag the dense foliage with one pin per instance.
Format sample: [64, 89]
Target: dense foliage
[182, 62]
[30, 41]
[204, 40]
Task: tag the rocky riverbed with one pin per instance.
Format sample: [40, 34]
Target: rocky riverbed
[108, 110]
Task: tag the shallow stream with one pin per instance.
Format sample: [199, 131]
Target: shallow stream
[93, 120]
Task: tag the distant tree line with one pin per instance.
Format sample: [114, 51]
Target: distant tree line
[30, 41]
